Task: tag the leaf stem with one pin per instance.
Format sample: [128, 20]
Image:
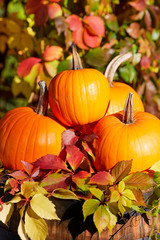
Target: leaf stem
[114, 64]
[77, 64]
[128, 109]
[43, 99]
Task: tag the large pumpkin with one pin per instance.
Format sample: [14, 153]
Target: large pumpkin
[27, 134]
[79, 96]
[127, 135]
[119, 90]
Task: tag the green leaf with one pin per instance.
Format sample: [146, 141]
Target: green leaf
[155, 167]
[139, 180]
[98, 57]
[115, 196]
[35, 227]
[129, 194]
[121, 207]
[157, 177]
[126, 202]
[16, 7]
[64, 194]
[89, 207]
[112, 218]
[97, 193]
[64, 65]
[51, 67]
[43, 207]
[103, 218]
[121, 186]
[121, 170]
[128, 73]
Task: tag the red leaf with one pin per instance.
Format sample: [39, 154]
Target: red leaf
[91, 40]
[41, 15]
[82, 175]
[50, 161]
[54, 0]
[52, 53]
[156, 13]
[35, 172]
[134, 30]
[69, 138]
[78, 38]
[32, 6]
[28, 167]
[148, 19]
[19, 175]
[26, 65]
[145, 62]
[102, 178]
[55, 180]
[74, 22]
[54, 10]
[138, 4]
[94, 25]
[88, 150]
[74, 156]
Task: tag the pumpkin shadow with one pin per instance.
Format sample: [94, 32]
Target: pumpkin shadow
[71, 211]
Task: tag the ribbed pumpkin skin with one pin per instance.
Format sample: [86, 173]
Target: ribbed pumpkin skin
[119, 92]
[79, 97]
[117, 141]
[26, 135]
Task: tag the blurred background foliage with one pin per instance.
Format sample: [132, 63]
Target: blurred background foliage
[36, 38]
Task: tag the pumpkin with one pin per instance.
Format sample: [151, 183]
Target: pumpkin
[27, 134]
[119, 90]
[127, 135]
[78, 96]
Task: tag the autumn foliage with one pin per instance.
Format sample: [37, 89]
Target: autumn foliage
[36, 37]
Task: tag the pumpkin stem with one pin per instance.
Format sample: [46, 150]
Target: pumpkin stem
[77, 64]
[114, 64]
[43, 99]
[128, 109]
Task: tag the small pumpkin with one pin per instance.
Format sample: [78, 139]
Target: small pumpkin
[79, 96]
[127, 135]
[27, 134]
[119, 90]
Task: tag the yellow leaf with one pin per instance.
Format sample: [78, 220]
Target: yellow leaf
[156, 167]
[3, 41]
[14, 40]
[29, 189]
[35, 227]
[16, 199]
[6, 212]
[12, 26]
[43, 207]
[26, 42]
[19, 86]
[21, 230]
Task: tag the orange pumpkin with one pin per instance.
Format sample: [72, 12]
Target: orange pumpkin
[127, 135]
[27, 135]
[119, 90]
[79, 96]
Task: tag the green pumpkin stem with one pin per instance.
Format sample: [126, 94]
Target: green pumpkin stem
[77, 64]
[43, 99]
[114, 64]
[128, 109]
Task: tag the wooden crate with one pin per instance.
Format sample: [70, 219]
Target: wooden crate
[72, 226]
